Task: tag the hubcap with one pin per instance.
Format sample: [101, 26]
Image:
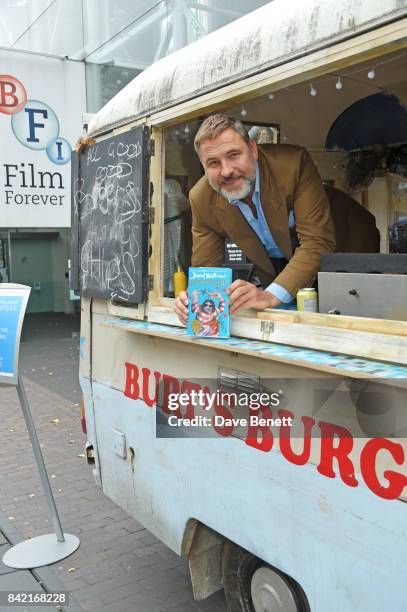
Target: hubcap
[271, 593]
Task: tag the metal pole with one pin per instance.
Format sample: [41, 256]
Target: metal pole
[164, 43]
[39, 459]
[215, 9]
[179, 24]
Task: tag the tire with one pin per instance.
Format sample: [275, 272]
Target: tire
[238, 567]
[242, 572]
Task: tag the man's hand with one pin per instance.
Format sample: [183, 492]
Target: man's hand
[245, 295]
[181, 307]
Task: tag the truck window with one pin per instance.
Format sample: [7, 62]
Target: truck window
[369, 166]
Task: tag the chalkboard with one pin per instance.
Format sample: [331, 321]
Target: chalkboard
[110, 194]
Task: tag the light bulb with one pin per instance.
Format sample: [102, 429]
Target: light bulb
[270, 96]
[243, 112]
[186, 130]
[371, 74]
[339, 84]
[312, 90]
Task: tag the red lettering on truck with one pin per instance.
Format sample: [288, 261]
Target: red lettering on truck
[368, 456]
[285, 439]
[131, 388]
[336, 442]
[150, 401]
[260, 436]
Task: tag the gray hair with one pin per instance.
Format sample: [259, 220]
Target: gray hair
[215, 125]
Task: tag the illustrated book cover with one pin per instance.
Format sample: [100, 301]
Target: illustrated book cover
[208, 307]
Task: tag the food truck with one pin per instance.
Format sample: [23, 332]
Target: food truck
[305, 507]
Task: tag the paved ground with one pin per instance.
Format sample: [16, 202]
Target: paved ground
[119, 566]
[41, 581]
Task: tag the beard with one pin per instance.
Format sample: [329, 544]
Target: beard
[239, 193]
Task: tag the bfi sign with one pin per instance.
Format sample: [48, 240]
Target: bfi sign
[26, 186]
[34, 123]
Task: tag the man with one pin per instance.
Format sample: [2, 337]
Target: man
[270, 201]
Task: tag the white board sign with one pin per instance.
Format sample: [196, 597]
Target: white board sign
[13, 302]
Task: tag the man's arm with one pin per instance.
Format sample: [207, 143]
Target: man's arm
[207, 245]
[316, 236]
[280, 293]
[314, 227]
[245, 295]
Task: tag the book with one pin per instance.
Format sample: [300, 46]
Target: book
[208, 305]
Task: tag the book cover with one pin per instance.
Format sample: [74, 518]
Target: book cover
[208, 307]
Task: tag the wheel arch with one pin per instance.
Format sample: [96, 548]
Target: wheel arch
[204, 549]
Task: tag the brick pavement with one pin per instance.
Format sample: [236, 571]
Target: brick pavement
[40, 580]
[119, 566]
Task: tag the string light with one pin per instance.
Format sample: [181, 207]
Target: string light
[243, 112]
[340, 81]
[372, 71]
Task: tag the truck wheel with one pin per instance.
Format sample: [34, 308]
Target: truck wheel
[273, 591]
[252, 586]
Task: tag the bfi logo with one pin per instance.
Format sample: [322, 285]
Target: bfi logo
[35, 125]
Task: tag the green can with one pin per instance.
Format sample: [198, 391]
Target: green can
[307, 300]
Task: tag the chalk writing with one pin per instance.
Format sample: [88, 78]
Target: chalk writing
[91, 156]
[109, 192]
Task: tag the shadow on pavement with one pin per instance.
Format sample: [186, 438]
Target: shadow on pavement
[50, 353]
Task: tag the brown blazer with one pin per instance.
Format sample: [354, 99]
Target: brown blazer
[288, 180]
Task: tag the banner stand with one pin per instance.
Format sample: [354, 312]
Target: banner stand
[45, 549]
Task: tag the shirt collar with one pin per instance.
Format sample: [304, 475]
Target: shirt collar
[256, 188]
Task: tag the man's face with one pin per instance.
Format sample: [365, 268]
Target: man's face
[230, 164]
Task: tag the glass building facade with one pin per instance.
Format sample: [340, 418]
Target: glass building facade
[115, 38]
[105, 43]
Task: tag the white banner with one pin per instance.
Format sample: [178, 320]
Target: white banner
[41, 104]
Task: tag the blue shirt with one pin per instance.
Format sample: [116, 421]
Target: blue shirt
[262, 229]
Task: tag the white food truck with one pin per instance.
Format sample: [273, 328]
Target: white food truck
[306, 512]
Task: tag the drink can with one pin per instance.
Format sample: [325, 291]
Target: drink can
[307, 300]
